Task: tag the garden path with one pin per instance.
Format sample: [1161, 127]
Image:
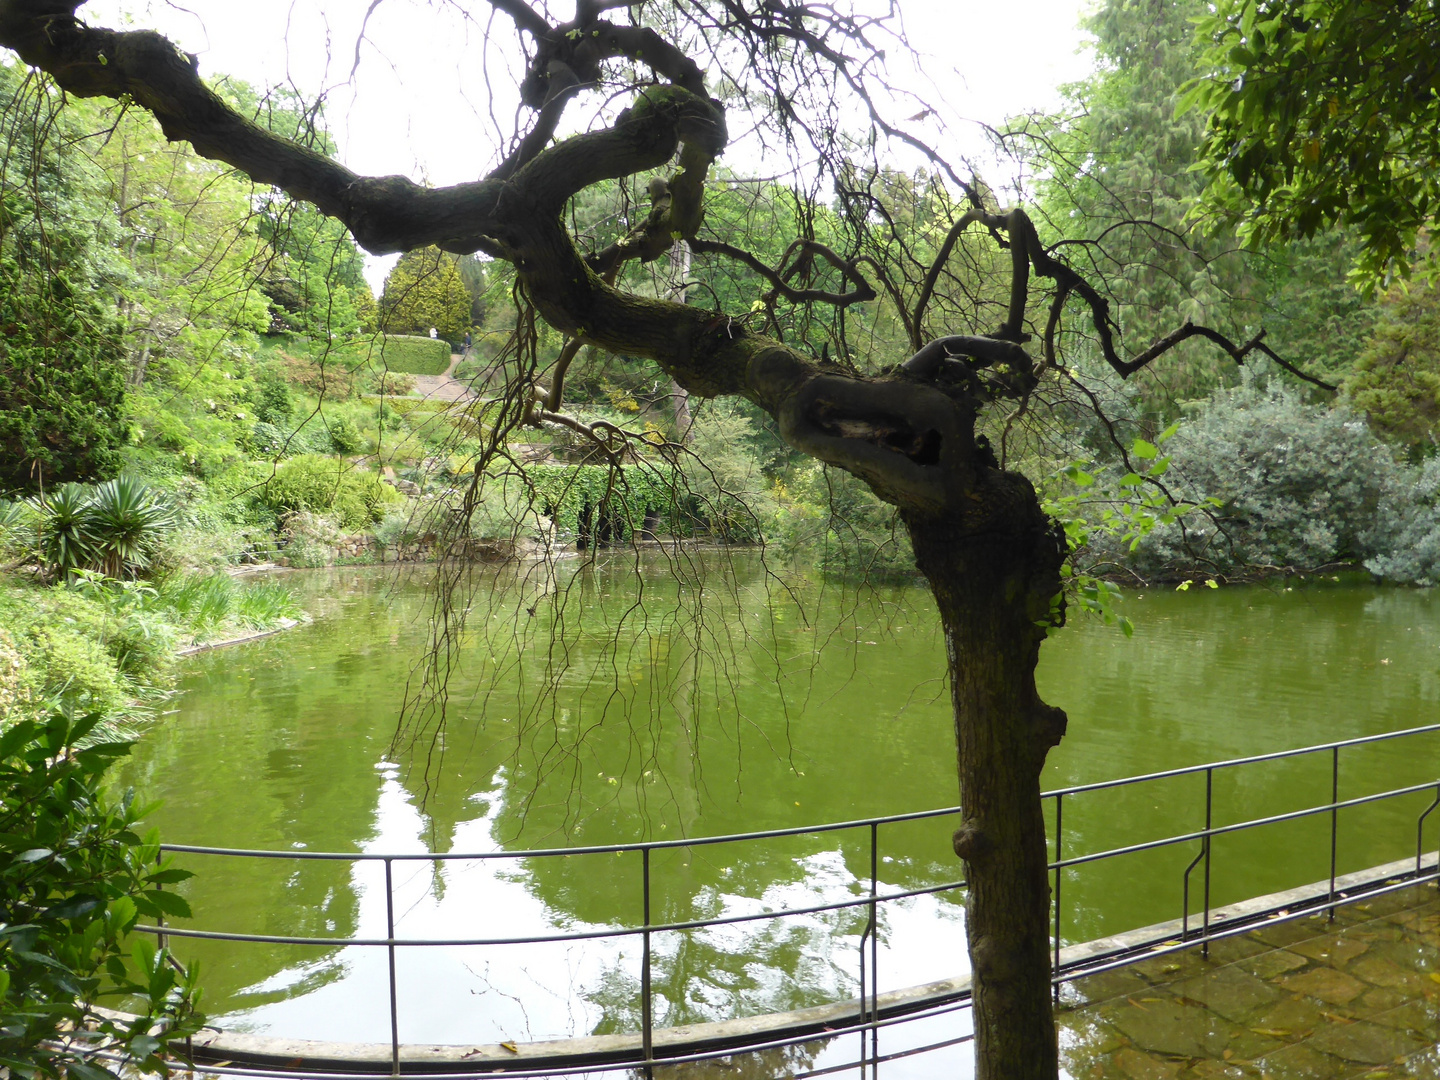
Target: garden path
[1303, 1000]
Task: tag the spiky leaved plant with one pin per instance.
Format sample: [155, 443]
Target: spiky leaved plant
[127, 520]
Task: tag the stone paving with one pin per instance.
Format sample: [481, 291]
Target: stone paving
[1304, 1000]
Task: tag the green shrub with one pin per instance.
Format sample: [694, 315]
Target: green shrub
[1296, 487]
[62, 637]
[345, 436]
[1410, 527]
[311, 539]
[325, 485]
[77, 879]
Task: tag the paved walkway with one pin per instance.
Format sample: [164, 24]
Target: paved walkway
[1303, 1000]
[444, 387]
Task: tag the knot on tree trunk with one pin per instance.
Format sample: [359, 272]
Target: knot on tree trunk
[972, 843]
[1050, 723]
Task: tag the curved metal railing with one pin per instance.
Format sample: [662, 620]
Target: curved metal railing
[870, 1018]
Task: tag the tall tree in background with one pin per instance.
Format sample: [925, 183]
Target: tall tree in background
[425, 290]
[909, 431]
[62, 356]
[1121, 163]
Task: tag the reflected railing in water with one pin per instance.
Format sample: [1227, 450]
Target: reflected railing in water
[1393, 819]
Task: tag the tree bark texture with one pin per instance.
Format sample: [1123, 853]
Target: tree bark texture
[994, 570]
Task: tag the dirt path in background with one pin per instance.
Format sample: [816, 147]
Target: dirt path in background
[443, 387]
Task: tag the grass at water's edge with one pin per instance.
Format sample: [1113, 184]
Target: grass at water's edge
[111, 647]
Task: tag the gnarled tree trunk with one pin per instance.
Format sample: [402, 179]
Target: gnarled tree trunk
[994, 569]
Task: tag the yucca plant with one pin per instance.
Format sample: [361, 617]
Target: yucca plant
[67, 539]
[127, 520]
[15, 540]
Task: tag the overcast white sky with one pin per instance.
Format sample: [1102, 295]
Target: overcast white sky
[419, 103]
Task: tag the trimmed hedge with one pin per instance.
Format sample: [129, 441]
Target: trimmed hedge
[412, 355]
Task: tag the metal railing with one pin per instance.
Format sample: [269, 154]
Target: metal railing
[871, 1018]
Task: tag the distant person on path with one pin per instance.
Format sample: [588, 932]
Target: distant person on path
[465, 346]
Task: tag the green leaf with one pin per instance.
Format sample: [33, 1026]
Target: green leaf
[1143, 449]
[170, 903]
[74, 907]
[85, 1070]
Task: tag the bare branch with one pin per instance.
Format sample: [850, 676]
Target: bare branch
[862, 293]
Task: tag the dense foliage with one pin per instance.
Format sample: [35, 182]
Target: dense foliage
[425, 291]
[1396, 378]
[1294, 487]
[75, 876]
[1323, 112]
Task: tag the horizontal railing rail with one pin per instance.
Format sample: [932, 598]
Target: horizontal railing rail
[870, 1021]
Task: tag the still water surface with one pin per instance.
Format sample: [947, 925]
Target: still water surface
[735, 702]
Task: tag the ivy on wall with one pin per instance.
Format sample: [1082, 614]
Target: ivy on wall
[609, 502]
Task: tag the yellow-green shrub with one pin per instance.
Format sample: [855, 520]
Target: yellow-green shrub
[356, 498]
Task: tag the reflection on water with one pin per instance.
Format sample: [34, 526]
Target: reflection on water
[619, 723]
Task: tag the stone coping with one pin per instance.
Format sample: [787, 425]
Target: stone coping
[285, 624]
[286, 1054]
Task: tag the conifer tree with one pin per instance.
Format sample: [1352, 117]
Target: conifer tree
[425, 290]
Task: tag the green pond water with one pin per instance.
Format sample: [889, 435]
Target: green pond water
[729, 701]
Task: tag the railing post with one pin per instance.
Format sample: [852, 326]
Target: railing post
[1059, 820]
[647, 1018]
[1334, 820]
[1420, 837]
[390, 950]
[1209, 824]
[162, 939]
[874, 947]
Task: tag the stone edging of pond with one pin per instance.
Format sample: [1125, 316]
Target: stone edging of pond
[267, 1052]
[285, 624]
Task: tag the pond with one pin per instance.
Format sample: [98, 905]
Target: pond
[726, 699]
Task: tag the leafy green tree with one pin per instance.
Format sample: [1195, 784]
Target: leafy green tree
[1323, 112]
[61, 351]
[313, 274]
[190, 258]
[1119, 183]
[62, 383]
[424, 290]
[1396, 380]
